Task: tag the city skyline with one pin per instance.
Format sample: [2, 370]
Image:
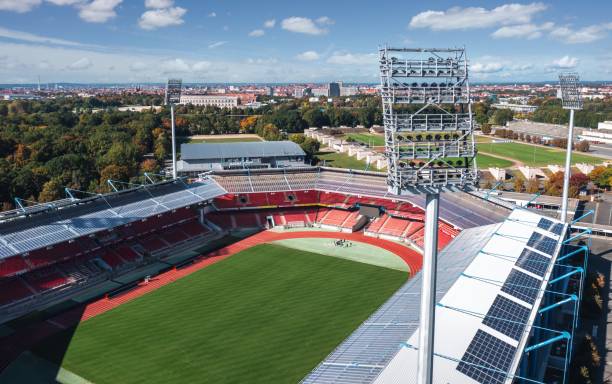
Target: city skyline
[115, 41]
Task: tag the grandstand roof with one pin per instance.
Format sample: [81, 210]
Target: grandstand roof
[491, 281]
[83, 217]
[240, 150]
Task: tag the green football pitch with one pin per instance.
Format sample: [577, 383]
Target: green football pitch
[268, 314]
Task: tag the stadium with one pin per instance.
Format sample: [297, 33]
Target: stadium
[281, 275]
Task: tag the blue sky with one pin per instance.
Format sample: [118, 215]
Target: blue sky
[294, 41]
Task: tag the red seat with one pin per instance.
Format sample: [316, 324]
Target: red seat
[13, 289]
[12, 265]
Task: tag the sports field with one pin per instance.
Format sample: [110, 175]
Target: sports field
[268, 314]
[535, 155]
[368, 138]
[342, 160]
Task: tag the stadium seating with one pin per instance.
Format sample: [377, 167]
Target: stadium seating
[12, 290]
[335, 217]
[46, 278]
[193, 228]
[13, 265]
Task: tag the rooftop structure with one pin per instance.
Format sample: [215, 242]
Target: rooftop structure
[204, 157]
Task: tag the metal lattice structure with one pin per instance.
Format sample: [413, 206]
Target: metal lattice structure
[173, 91]
[570, 92]
[427, 118]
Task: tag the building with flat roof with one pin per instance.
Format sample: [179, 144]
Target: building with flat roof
[220, 101]
[198, 158]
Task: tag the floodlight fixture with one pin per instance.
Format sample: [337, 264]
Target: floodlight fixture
[430, 146]
[570, 99]
[570, 90]
[173, 91]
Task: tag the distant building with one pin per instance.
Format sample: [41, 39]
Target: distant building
[198, 158]
[520, 108]
[333, 90]
[15, 96]
[210, 100]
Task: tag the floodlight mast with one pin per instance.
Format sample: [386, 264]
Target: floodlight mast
[173, 96]
[570, 99]
[429, 149]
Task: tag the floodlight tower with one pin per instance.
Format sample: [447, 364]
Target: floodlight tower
[570, 99]
[173, 96]
[429, 145]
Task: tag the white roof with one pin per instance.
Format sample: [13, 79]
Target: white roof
[503, 270]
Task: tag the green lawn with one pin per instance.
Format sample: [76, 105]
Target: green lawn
[535, 155]
[342, 160]
[486, 161]
[269, 314]
[368, 138]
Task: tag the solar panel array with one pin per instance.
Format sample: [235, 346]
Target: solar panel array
[28, 238]
[522, 286]
[507, 317]
[533, 262]
[542, 243]
[487, 359]
[548, 225]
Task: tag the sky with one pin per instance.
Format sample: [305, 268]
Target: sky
[136, 41]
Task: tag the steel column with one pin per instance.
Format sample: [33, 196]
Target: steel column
[428, 291]
[568, 163]
[173, 142]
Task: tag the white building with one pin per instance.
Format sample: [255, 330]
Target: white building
[210, 100]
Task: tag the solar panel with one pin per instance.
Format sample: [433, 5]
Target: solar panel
[542, 243]
[533, 262]
[487, 359]
[557, 229]
[507, 317]
[545, 224]
[522, 286]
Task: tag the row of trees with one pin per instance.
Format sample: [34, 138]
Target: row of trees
[582, 146]
[593, 112]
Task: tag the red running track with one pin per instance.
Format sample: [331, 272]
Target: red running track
[13, 345]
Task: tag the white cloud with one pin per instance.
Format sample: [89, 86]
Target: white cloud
[308, 56]
[524, 31]
[476, 17]
[486, 67]
[138, 66]
[159, 4]
[324, 20]
[174, 66]
[566, 62]
[201, 66]
[19, 6]
[99, 11]
[216, 44]
[261, 61]
[582, 35]
[302, 25]
[32, 38]
[212, 14]
[257, 33]
[352, 58]
[65, 2]
[159, 18]
[81, 64]
[270, 23]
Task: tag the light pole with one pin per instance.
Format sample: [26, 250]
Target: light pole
[173, 96]
[437, 81]
[570, 99]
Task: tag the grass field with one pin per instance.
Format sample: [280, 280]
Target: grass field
[342, 160]
[368, 138]
[486, 161]
[534, 155]
[268, 314]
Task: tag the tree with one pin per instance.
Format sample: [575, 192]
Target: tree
[519, 184]
[502, 116]
[311, 147]
[583, 146]
[533, 185]
[52, 190]
[601, 176]
[554, 185]
[315, 118]
[270, 132]
[486, 128]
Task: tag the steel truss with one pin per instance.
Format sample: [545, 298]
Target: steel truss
[432, 146]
